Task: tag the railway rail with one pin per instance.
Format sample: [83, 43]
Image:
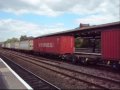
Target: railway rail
[101, 67]
[33, 80]
[82, 54]
[97, 81]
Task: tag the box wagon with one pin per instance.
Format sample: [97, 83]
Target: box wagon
[12, 45]
[57, 45]
[111, 45]
[26, 45]
[17, 45]
[7, 45]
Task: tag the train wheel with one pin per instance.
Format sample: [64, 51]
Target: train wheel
[63, 57]
[115, 65]
[84, 61]
[74, 59]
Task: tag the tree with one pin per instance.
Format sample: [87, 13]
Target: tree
[78, 42]
[23, 37]
[11, 40]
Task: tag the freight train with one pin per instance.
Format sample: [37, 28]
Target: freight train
[62, 45]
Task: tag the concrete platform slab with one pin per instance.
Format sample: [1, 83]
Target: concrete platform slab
[9, 79]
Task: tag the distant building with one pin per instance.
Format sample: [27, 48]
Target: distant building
[84, 25]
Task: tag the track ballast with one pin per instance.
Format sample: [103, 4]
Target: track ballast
[33, 80]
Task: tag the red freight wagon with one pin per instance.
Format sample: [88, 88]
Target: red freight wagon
[111, 44]
[58, 45]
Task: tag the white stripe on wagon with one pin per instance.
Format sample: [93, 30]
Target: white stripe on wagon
[17, 76]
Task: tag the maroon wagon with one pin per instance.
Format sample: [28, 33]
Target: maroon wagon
[56, 45]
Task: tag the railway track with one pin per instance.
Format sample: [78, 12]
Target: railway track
[33, 80]
[95, 66]
[100, 68]
[96, 81]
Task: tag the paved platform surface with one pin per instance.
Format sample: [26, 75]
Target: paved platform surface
[9, 79]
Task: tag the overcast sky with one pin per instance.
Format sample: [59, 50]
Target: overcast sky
[39, 17]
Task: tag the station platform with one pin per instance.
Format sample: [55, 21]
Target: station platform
[9, 79]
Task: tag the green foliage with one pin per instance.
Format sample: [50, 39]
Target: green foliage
[81, 43]
[98, 43]
[24, 37]
[11, 40]
[78, 42]
[86, 43]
